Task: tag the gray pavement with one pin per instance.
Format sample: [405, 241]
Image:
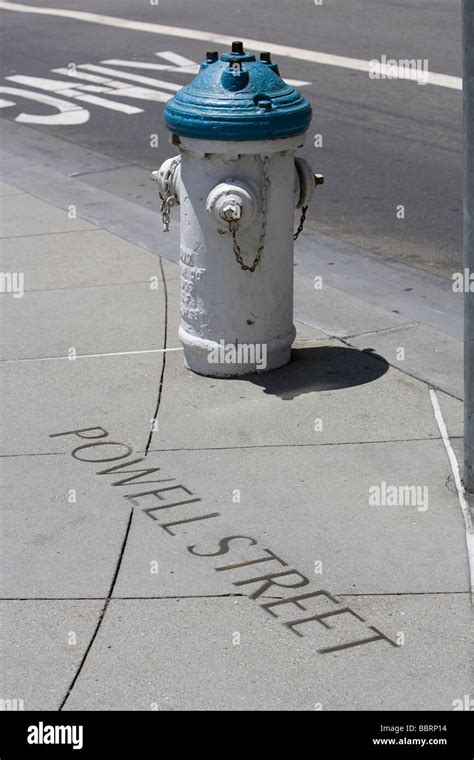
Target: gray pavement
[117, 597]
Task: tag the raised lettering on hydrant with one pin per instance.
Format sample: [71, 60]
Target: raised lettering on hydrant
[237, 126]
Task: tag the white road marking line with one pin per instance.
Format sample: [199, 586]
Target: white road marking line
[66, 90]
[179, 60]
[90, 356]
[191, 69]
[123, 88]
[459, 485]
[133, 77]
[313, 56]
[152, 66]
[112, 104]
[64, 71]
[69, 113]
[296, 82]
[72, 89]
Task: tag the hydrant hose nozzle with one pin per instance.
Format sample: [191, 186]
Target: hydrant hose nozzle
[232, 201]
[167, 178]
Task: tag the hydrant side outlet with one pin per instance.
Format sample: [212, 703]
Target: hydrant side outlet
[239, 125]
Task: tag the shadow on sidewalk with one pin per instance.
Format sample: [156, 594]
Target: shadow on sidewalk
[321, 368]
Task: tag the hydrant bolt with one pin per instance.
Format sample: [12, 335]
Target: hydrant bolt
[231, 212]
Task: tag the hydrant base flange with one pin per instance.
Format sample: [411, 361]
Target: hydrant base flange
[213, 359]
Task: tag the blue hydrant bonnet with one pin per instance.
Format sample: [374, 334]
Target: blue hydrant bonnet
[236, 98]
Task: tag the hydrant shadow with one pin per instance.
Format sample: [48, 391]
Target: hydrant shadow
[321, 368]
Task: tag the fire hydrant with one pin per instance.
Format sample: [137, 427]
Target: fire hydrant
[236, 126]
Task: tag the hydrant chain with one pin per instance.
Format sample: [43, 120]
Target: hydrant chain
[167, 198]
[301, 224]
[234, 224]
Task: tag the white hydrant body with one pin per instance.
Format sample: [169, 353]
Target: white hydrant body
[237, 201]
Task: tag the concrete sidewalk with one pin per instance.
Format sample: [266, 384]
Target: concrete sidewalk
[332, 594]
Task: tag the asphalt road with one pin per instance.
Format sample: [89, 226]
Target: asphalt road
[385, 143]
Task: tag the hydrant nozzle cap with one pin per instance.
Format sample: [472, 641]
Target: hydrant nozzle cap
[235, 97]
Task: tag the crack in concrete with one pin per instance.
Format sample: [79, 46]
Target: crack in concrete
[154, 419]
[102, 614]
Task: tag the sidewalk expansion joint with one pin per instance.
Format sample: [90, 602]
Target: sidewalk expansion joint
[298, 445]
[56, 232]
[177, 597]
[407, 593]
[404, 371]
[89, 356]
[92, 285]
[383, 330]
[38, 454]
[99, 171]
[461, 492]
[129, 598]
[263, 446]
